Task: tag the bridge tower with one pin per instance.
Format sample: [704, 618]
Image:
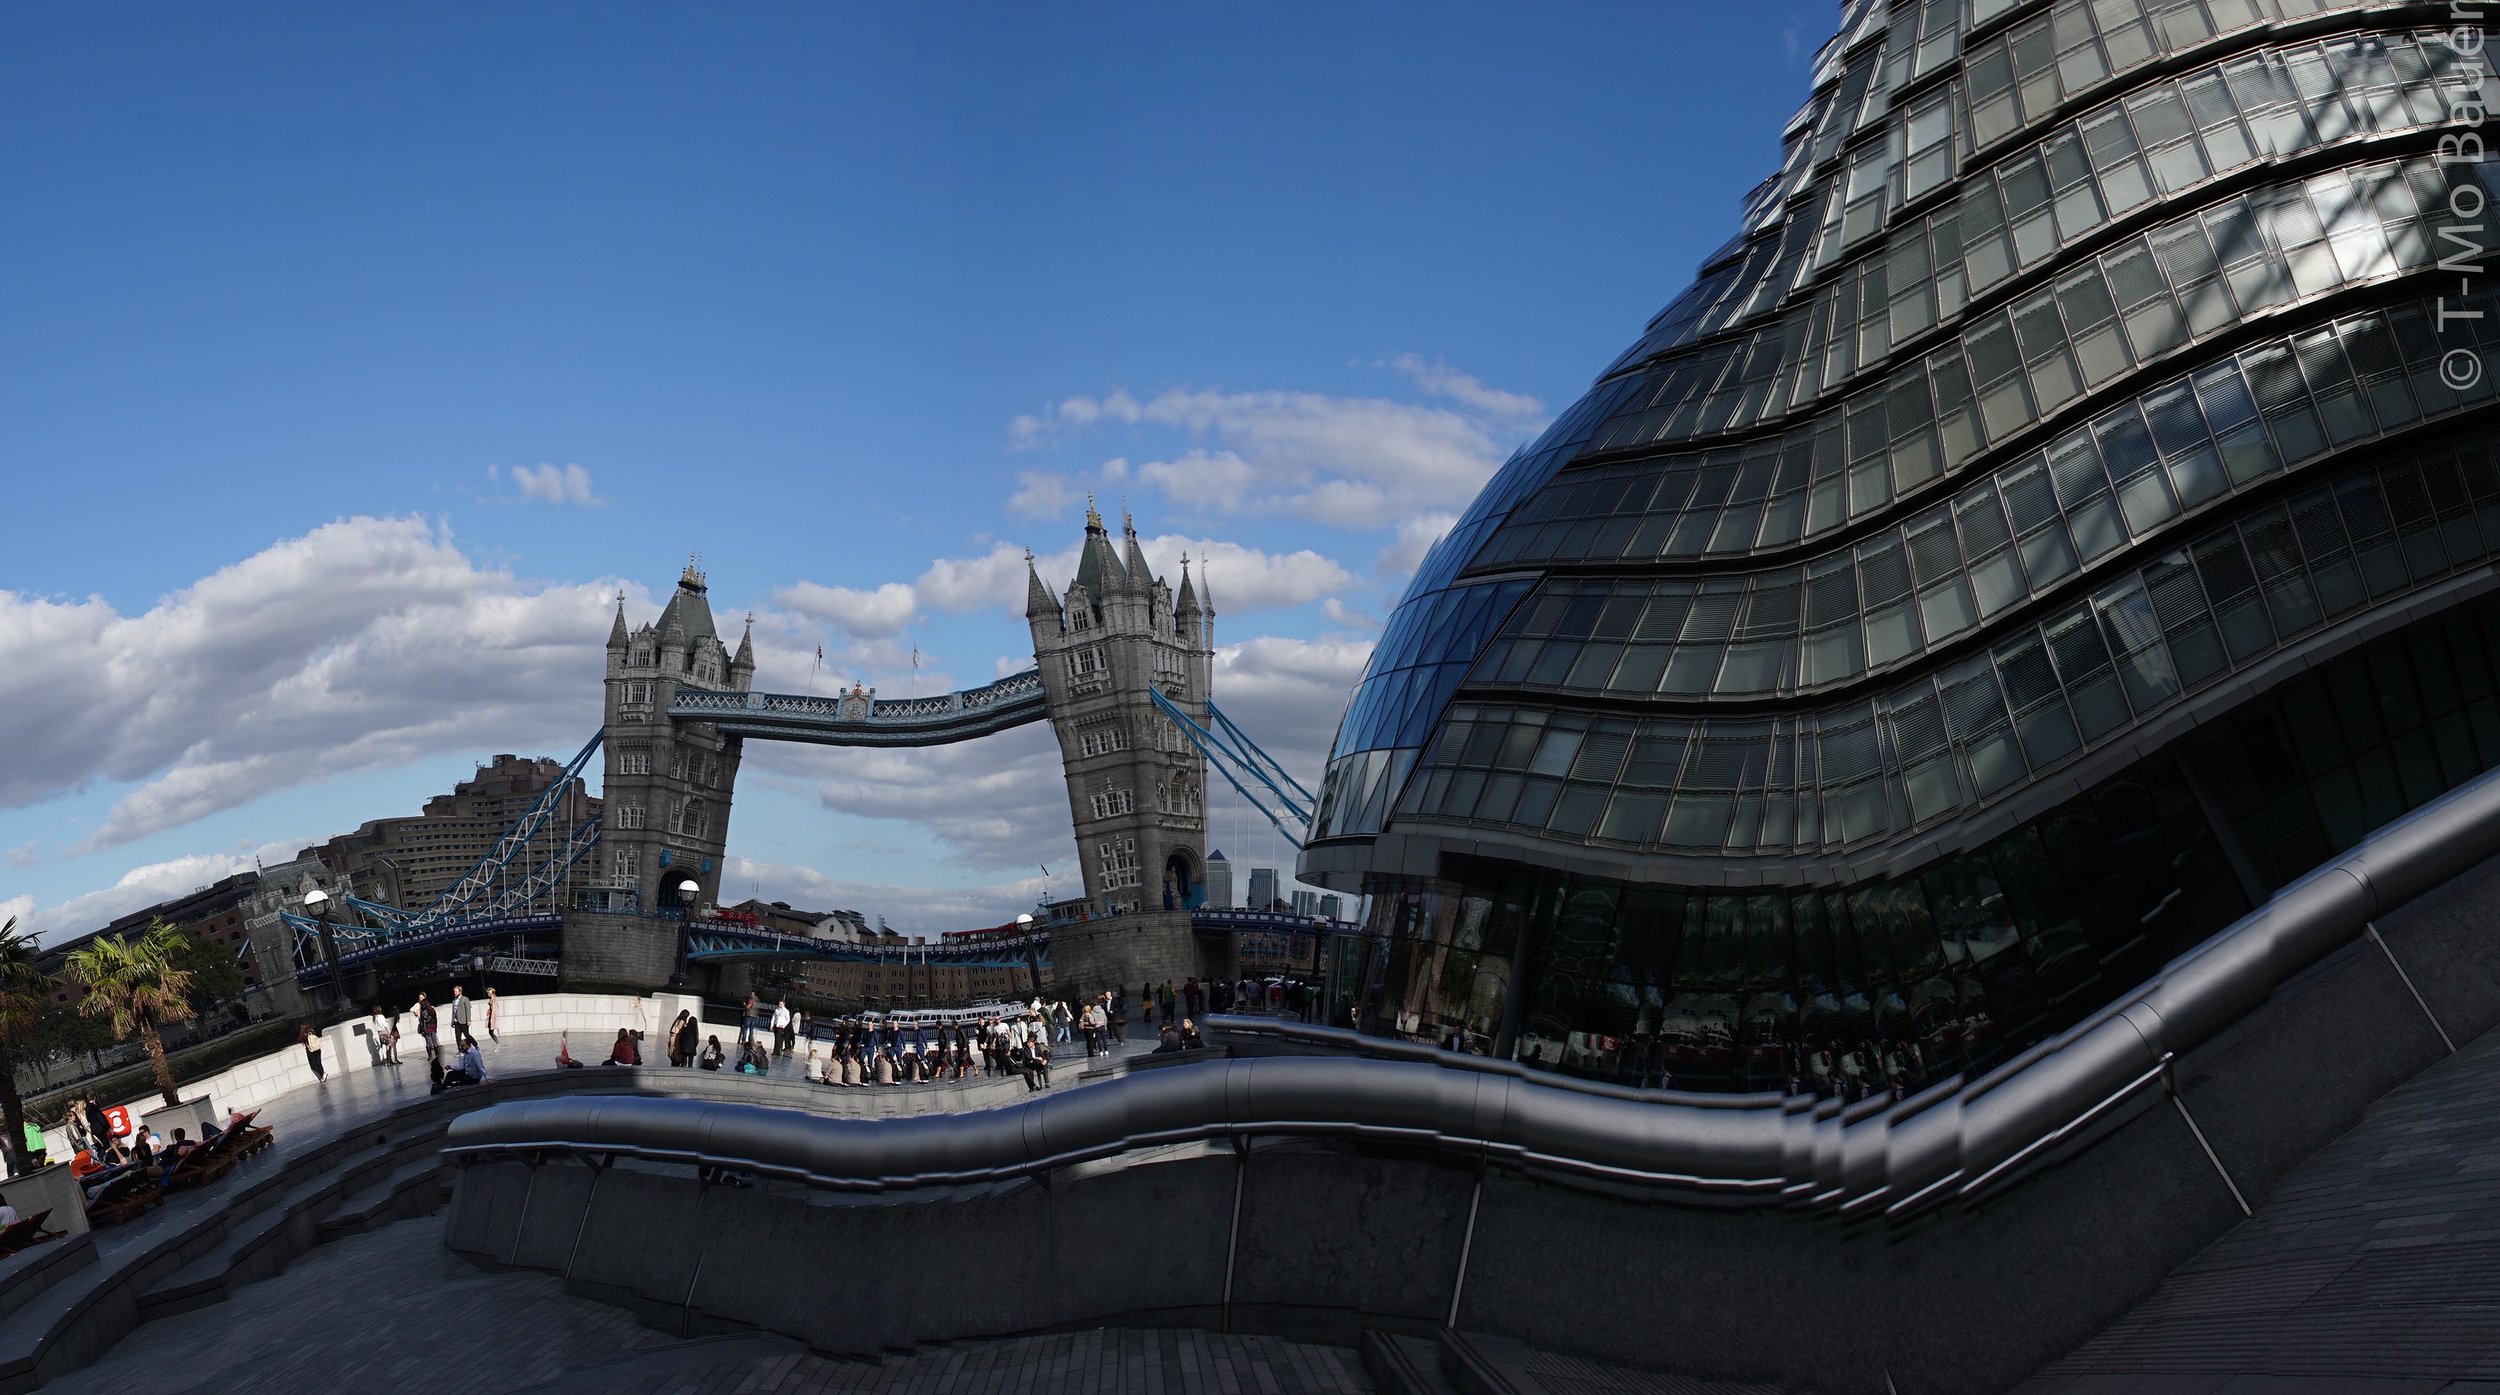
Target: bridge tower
[666, 794]
[1136, 786]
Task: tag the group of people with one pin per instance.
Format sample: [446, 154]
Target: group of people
[869, 1052]
[468, 1066]
[101, 1158]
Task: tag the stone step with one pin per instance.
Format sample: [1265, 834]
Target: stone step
[414, 1188]
[1402, 1365]
[263, 1242]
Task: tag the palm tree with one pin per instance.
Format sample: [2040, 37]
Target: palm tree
[135, 984]
[24, 989]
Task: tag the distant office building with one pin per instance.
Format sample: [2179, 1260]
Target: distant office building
[1262, 888]
[410, 861]
[1219, 880]
[1305, 901]
[215, 914]
[1332, 907]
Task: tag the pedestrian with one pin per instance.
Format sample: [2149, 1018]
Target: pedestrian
[746, 1019]
[781, 1028]
[490, 1018]
[683, 1048]
[459, 1017]
[426, 1027]
[312, 1046]
[713, 1056]
[378, 1027]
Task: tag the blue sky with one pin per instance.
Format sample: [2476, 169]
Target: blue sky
[356, 355]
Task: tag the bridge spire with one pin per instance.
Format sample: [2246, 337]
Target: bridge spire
[1140, 575]
[1188, 602]
[616, 632]
[1037, 601]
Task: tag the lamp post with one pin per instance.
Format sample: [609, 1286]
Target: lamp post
[685, 914]
[319, 901]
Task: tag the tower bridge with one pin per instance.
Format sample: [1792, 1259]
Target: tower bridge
[1123, 671]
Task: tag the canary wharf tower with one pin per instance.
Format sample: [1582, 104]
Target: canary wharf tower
[2061, 514]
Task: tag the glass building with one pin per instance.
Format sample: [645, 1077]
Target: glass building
[2064, 513]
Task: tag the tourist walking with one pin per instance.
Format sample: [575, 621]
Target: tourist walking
[683, 1045]
[746, 1020]
[781, 1028]
[385, 1038]
[312, 1046]
[459, 1018]
[490, 1018]
[426, 1025]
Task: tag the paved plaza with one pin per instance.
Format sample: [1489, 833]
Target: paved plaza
[395, 1310]
[2373, 1270]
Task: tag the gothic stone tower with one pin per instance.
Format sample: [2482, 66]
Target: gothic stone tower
[1136, 786]
[665, 800]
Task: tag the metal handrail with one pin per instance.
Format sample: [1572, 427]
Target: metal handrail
[1946, 1143]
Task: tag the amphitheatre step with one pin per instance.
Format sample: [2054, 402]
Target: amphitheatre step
[1402, 1365]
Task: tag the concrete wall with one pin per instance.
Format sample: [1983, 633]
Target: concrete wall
[618, 952]
[1334, 1239]
[1149, 947]
[592, 1018]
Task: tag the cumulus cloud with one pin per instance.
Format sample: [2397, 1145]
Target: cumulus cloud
[550, 484]
[1338, 612]
[363, 644]
[140, 887]
[1241, 579]
[1354, 462]
[1041, 494]
[1441, 380]
[1415, 537]
[995, 804]
[868, 614]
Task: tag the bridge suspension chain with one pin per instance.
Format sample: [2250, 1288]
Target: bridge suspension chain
[1234, 755]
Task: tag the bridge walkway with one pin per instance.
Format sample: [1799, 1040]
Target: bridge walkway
[2374, 1269]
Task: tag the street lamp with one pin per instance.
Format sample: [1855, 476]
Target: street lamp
[319, 902]
[685, 895]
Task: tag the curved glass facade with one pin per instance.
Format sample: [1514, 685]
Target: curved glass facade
[2062, 515]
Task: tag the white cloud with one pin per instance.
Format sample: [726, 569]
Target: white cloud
[1338, 612]
[364, 644]
[1241, 579]
[552, 484]
[1041, 494]
[1415, 538]
[140, 887]
[1443, 381]
[869, 614]
[1289, 693]
[996, 804]
[1356, 462]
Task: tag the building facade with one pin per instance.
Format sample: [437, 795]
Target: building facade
[217, 914]
[1219, 880]
[410, 862]
[2061, 515]
[1136, 785]
[1263, 893]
